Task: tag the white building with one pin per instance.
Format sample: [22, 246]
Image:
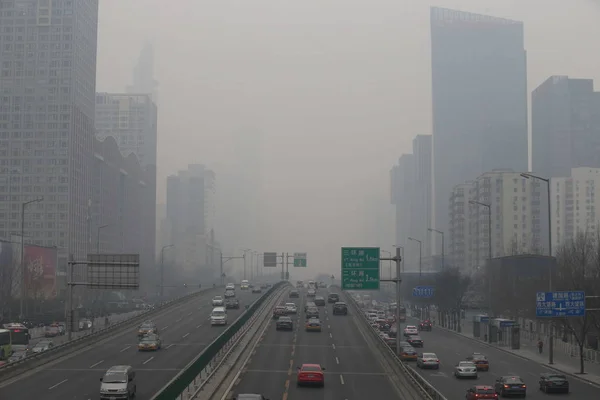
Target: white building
[458, 245]
[574, 203]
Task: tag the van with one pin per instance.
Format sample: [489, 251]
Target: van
[118, 383]
[218, 316]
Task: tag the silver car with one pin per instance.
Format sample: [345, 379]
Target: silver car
[428, 360]
[465, 369]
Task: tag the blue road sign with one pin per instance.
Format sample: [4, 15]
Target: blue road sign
[423, 291]
[560, 304]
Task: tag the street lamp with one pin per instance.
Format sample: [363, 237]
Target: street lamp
[162, 270]
[98, 237]
[23, 266]
[244, 256]
[441, 233]
[489, 208]
[420, 254]
[401, 254]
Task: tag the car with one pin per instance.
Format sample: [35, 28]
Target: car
[290, 308]
[284, 323]
[84, 323]
[17, 356]
[510, 385]
[308, 305]
[249, 396]
[403, 343]
[391, 342]
[52, 331]
[229, 294]
[340, 308]
[230, 286]
[428, 360]
[481, 392]
[256, 289]
[311, 374]
[150, 342]
[415, 341]
[312, 312]
[465, 369]
[554, 382]
[408, 353]
[333, 298]
[278, 311]
[320, 301]
[480, 361]
[313, 325]
[147, 327]
[232, 304]
[118, 382]
[294, 294]
[42, 345]
[217, 301]
[311, 293]
[425, 325]
[410, 330]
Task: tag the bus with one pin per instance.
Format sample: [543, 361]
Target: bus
[19, 336]
[5, 344]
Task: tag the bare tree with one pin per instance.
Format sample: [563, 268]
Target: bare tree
[578, 269]
[450, 288]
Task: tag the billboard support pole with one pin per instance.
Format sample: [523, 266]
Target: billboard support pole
[70, 285]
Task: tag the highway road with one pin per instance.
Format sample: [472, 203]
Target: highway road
[184, 331]
[451, 348]
[352, 371]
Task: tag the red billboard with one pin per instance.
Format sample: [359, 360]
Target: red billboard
[40, 272]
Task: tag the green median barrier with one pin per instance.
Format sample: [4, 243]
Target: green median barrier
[180, 383]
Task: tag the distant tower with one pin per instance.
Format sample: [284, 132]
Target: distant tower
[143, 74]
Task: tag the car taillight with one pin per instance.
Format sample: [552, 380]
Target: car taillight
[523, 386]
[506, 386]
[437, 361]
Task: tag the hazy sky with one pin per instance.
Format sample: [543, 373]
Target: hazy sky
[337, 88]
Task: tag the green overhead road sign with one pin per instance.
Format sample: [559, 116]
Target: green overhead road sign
[299, 259]
[360, 268]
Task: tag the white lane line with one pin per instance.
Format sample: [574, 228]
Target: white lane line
[186, 335]
[333, 345]
[58, 384]
[178, 320]
[198, 326]
[330, 335]
[148, 360]
[165, 327]
[189, 314]
[328, 326]
[122, 350]
[98, 363]
[342, 379]
[171, 345]
[337, 360]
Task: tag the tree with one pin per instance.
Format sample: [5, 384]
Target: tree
[579, 269]
[450, 288]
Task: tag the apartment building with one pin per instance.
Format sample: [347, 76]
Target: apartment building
[458, 248]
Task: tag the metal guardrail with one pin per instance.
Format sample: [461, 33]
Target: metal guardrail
[36, 360]
[189, 374]
[428, 391]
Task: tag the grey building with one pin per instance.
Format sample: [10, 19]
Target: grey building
[143, 74]
[422, 193]
[402, 186]
[47, 89]
[479, 100]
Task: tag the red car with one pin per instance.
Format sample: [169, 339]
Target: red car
[481, 392]
[311, 374]
[425, 325]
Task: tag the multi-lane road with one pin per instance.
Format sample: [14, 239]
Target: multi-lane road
[452, 348]
[352, 370]
[185, 330]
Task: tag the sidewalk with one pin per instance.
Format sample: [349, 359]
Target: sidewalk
[563, 360]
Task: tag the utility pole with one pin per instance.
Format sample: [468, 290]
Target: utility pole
[244, 257]
[398, 260]
[489, 209]
[23, 266]
[420, 256]
[223, 261]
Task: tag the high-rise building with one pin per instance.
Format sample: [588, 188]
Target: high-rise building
[143, 74]
[422, 194]
[47, 89]
[402, 186]
[575, 200]
[459, 254]
[479, 100]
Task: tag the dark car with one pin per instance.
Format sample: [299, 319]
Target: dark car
[232, 303]
[312, 312]
[284, 324]
[340, 308]
[425, 325]
[415, 341]
[510, 385]
[320, 301]
[279, 311]
[308, 305]
[294, 294]
[249, 396]
[333, 298]
[256, 289]
[553, 382]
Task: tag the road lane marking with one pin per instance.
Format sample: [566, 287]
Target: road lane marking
[98, 363]
[333, 345]
[58, 384]
[165, 327]
[178, 320]
[122, 350]
[342, 379]
[337, 360]
[186, 335]
[148, 360]
[328, 326]
[287, 385]
[198, 326]
[330, 335]
[190, 314]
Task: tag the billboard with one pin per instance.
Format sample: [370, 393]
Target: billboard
[113, 271]
[40, 271]
[6, 268]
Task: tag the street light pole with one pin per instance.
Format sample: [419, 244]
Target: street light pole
[420, 255]
[98, 237]
[162, 270]
[441, 233]
[489, 208]
[23, 266]
[244, 256]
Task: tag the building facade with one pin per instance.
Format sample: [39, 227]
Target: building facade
[422, 194]
[143, 74]
[47, 88]
[479, 100]
[459, 230]
[402, 187]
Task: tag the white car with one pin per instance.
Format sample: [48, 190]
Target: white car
[290, 308]
[411, 330]
[465, 369]
[428, 360]
[217, 301]
[230, 286]
[312, 293]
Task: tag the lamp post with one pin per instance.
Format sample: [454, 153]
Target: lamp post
[401, 254]
[489, 209]
[244, 256]
[162, 270]
[23, 266]
[441, 233]
[420, 255]
[98, 237]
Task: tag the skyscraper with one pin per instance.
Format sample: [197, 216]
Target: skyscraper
[47, 83]
[422, 194]
[143, 74]
[479, 95]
